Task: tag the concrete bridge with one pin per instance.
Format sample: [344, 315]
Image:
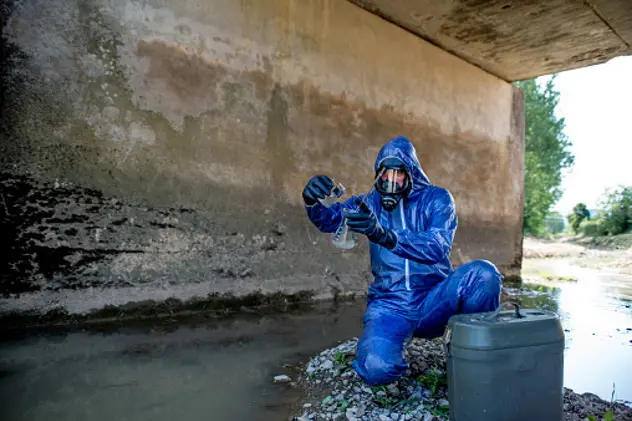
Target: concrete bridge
[153, 152]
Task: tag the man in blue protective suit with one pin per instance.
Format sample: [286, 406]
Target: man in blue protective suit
[410, 224]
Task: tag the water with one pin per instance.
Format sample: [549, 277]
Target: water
[223, 369]
[197, 369]
[596, 313]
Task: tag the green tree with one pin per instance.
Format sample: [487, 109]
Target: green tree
[617, 209]
[554, 223]
[580, 212]
[546, 153]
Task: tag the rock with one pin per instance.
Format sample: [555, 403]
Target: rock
[384, 418]
[282, 379]
[351, 414]
[279, 229]
[327, 365]
[392, 389]
[380, 394]
[307, 405]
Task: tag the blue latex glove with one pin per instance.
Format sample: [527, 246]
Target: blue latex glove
[318, 187]
[364, 221]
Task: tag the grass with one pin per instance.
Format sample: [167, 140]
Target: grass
[341, 359]
[606, 242]
[546, 276]
[608, 416]
[433, 381]
[550, 277]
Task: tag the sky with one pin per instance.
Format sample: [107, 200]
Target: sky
[596, 103]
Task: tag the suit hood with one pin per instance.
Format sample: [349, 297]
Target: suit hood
[401, 148]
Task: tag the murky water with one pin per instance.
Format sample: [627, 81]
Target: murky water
[222, 369]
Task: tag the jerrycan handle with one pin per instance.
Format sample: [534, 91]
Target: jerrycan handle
[500, 307]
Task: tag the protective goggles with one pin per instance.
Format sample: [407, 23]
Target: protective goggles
[392, 181]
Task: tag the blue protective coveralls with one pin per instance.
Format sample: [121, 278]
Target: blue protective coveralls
[415, 289]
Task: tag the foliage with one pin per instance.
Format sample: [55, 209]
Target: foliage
[580, 213]
[593, 228]
[546, 153]
[617, 207]
[608, 416]
[341, 360]
[433, 380]
[554, 223]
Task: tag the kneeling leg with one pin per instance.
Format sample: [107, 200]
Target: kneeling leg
[380, 357]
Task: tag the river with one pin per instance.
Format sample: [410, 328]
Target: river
[222, 369]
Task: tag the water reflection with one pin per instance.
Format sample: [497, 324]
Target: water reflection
[596, 315]
[530, 295]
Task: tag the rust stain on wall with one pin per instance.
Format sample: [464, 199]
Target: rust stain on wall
[187, 75]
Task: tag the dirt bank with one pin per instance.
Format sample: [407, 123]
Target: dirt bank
[603, 253]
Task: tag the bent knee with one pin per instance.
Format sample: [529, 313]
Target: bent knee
[485, 284]
[375, 371]
[485, 269]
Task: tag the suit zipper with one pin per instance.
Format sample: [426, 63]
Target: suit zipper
[406, 267]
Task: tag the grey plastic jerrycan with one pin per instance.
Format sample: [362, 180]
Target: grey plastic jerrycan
[505, 366]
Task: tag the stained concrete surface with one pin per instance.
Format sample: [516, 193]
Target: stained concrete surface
[158, 149]
[223, 369]
[521, 39]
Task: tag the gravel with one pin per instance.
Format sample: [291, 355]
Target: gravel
[335, 392]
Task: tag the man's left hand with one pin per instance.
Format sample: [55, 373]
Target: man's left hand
[364, 221]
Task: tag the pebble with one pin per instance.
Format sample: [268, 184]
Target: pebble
[392, 389]
[282, 379]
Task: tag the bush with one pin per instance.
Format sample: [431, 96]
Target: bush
[617, 207]
[554, 223]
[593, 228]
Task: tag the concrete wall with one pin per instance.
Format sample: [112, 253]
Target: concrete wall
[157, 149]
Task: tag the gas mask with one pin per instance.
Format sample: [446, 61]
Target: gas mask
[392, 182]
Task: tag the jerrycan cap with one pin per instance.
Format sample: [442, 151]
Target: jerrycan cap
[504, 329]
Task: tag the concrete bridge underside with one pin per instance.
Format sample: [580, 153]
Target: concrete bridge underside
[517, 40]
[153, 153]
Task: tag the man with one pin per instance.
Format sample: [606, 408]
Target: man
[410, 224]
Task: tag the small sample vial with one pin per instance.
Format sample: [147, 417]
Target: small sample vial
[336, 193]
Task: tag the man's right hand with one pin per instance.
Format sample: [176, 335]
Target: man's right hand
[318, 187]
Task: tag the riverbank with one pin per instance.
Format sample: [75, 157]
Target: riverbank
[568, 277]
[612, 254]
[335, 392]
